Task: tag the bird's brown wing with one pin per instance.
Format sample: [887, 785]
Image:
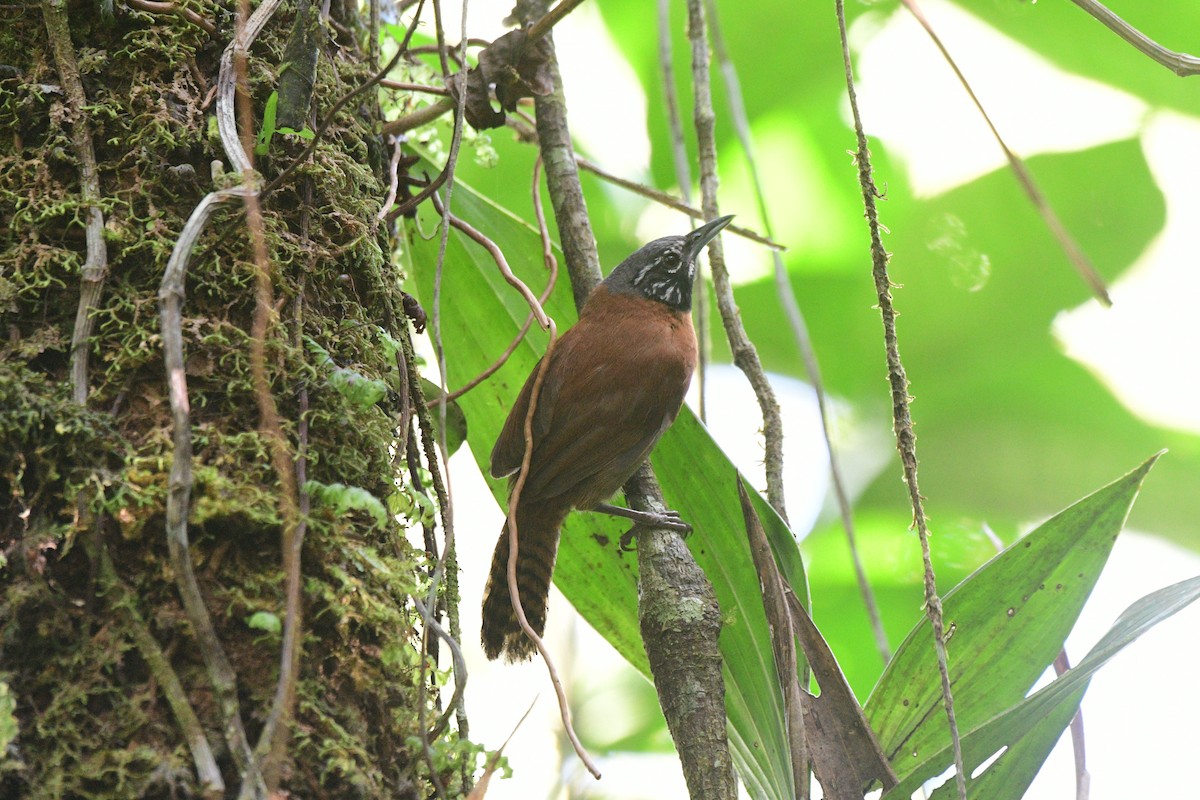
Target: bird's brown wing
[510, 445]
[614, 384]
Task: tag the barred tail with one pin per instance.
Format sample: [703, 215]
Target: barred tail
[537, 531]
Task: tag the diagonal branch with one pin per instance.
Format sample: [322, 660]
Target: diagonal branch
[1181, 64]
[906, 441]
[1083, 265]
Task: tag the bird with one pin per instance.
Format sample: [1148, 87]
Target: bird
[613, 385]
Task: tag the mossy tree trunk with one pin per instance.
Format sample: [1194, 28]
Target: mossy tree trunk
[100, 660]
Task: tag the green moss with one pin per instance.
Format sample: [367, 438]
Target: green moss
[92, 722]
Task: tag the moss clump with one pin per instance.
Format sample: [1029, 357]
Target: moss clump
[92, 721]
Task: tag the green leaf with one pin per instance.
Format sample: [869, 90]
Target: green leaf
[303, 133]
[263, 142]
[480, 314]
[264, 621]
[1005, 625]
[342, 498]
[361, 391]
[1009, 776]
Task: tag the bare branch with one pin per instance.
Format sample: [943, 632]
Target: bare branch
[906, 441]
[1181, 64]
[95, 266]
[745, 356]
[791, 308]
[220, 671]
[552, 18]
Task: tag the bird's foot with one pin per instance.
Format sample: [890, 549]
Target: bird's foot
[645, 519]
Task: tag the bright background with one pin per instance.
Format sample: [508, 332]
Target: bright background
[1028, 394]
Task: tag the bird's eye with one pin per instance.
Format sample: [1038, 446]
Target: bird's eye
[670, 259]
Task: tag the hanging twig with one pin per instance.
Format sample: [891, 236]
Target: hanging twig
[906, 441]
[551, 264]
[220, 671]
[514, 591]
[791, 307]
[1083, 265]
[501, 262]
[1181, 64]
[745, 356]
[273, 739]
[683, 178]
[95, 266]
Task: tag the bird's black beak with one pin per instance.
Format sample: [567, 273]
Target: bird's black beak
[697, 239]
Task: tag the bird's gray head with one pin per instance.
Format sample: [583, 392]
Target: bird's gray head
[665, 269]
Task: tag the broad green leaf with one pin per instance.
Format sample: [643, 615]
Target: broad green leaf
[1005, 623]
[479, 315]
[891, 556]
[1009, 776]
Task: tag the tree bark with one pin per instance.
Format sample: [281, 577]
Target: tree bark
[112, 694]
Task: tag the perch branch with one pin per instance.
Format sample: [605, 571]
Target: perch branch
[745, 356]
[95, 266]
[906, 441]
[791, 308]
[1181, 64]
[1079, 259]
[685, 659]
